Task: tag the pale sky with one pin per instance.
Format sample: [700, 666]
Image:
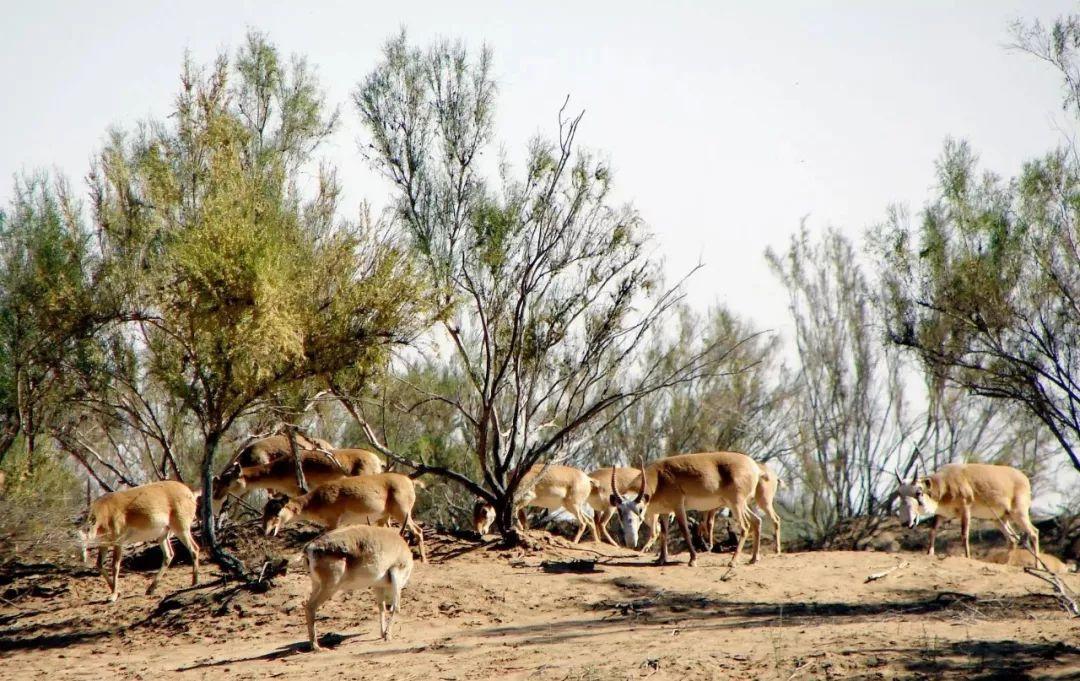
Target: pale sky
[726, 122]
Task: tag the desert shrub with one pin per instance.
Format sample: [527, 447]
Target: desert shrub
[39, 506]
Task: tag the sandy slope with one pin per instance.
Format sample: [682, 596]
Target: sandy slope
[475, 612]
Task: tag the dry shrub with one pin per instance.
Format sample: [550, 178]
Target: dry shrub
[39, 506]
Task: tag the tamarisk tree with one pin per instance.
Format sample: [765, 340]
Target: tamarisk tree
[548, 289]
[238, 282]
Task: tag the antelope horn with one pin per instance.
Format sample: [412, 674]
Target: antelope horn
[899, 478]
[644, 481]
[614, 491]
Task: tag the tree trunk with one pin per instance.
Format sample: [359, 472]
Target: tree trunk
[206, 513]
[301, 481]
[504, 520]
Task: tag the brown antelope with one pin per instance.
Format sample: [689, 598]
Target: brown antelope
[763, 499]
[147, 513]
[273, 447]
[966, 491]
[558, 487]
[483, 515]
[693, 482]
[348, 501]
[279, 475]
[627, 481]
[355, 557]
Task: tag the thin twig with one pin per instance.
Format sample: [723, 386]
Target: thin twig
[878, 575]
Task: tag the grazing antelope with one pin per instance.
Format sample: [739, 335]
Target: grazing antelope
[627, 481]
[147, 513]
[692, 482]
[483, 515]
[267, 449]
[559, 487]
[966, 491]
[355, 557]
[352, 500]
[279, 475]
[763, 499]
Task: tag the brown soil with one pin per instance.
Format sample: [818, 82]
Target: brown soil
[479, 612]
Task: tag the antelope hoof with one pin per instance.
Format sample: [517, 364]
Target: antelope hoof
[151, 589]
[112, 598]
[754, 560]
[315, 647]
[692, 562]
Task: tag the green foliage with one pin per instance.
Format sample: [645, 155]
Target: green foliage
[46, 306]
[38, 505]
[238, 288]
[549, 289]
[848, 392]
[246, 283]
[984, 289]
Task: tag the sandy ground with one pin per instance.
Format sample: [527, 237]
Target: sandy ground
[477, 612]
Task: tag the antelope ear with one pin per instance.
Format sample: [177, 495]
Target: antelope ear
[614, 499]
[645, 498]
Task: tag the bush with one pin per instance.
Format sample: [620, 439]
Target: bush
[40, 503]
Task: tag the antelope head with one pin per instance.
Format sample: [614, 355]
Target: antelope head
[276, 514]
[631, 511]
[915, 500]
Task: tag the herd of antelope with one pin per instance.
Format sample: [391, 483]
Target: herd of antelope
[354, 500]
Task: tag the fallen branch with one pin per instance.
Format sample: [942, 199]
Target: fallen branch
[1064, 594]
[801, 668]
[878, 575]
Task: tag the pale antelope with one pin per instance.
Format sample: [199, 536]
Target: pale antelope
[348, 501]
[483, 515]
[147, 513]
[764, 495]
[558, 487]
[279, 475]
[693, 482]
[355, 557]
[267, 449]
[966, 491]
[627, 481]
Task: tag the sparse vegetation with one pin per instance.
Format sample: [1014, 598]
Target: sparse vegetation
[500, 321]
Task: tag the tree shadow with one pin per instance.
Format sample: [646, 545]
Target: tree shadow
[648, 604]
[1001, 660]
[651, 603]
[52, 640]
[443, 554]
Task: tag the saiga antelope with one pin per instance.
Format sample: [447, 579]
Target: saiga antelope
[692, 482]
[627, 481]
[764, 495]
[355, 557]
[559, 487]
[352, 500]
[483, 515]
[267, 449]
[966, 491]
[280, 474]
[147, 513]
